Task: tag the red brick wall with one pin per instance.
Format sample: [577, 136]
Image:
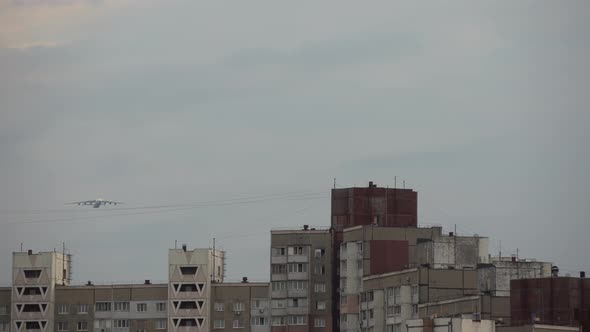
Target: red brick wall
[388, 256]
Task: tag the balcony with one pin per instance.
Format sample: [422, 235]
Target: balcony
[297, 310]
[297, 276]
[297, 293]
[278, 259]
[298, 259]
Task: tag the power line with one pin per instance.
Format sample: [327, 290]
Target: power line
[166, 210]
[277, 196]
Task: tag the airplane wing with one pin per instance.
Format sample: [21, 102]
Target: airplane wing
[111, 202]
[83, 202]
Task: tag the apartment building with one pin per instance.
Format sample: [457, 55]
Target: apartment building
[301, 283]
[244, 306]
[34, 279]
[111, 308]
[494, 277]
[459, 324]
[557, 300]
[452, 251]
[389, 299]
[190, 276]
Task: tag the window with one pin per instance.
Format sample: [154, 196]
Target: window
[279, 268]
[238, 324]
[320, 269]
[62, 326]
[390, 294]
[320, 252]
[297, 302]
[161, 324]
[238, 306]
[161, 306]
[82, 308]
[63, 309]
[320, 305]
[343, 267]
[141, 307]
[141, 330]
[102, 323]
[371, 314]
[320, 288]
[414, 309]
[32, 274]
[297, 267]
[83, 326]
[279, 251]
[320, 322]
[219, 324]
[278, 304]
[296, 320]
[296, 251]
[219, 306]
[120, 323]
[258, 304]
[102, 306]
[278, 321]
[3, 310]
[258, 321]
[4, 326]
[122, 306]
[297, 285]
[359, 247]
[279, 286]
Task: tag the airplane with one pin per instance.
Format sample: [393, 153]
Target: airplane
[96, 203]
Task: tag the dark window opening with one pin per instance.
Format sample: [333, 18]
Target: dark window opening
[175, 321]
[18, 324]
[188, 288]
[32, 291]
[31, 308]
[201, 320]
[176, 287]
[32, 273]
[188, 270]
[188, 322]
[32, 326]
[188, 305]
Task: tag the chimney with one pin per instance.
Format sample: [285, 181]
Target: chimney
[582, 274]
[30, 252]
[147, 282]
[305, 227]
[244, 280]
[184, 247]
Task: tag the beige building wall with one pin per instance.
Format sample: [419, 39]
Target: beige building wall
[495, 277]
[240, 305]
[190, 274]
[34, 278]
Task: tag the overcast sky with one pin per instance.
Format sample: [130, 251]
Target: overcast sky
[480, 107]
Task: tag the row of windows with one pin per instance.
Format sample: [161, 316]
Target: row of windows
[239, 323]
[106, 306]
[296, 285]
[297, 251]
[117, 323]
[297, 320]
[319, 269]
[239, 306]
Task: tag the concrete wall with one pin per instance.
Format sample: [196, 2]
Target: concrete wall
[495, 277]
[453, 251]
[5, 294]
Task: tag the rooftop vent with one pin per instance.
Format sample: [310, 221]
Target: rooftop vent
[184, 247]
[554, 271]
[582, 274]
[451, 234]
[244, 280]
[372, 185]
[89, 283]
[30, 252]
[305, 227]
[147, 282]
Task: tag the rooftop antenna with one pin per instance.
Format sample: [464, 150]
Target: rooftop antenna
[175, 244]
[334, 183]
[394, 182]
[404, 185]
[21, 247]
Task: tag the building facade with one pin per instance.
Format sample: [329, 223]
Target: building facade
[494, 278]
[244, 306]
[301, 284]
